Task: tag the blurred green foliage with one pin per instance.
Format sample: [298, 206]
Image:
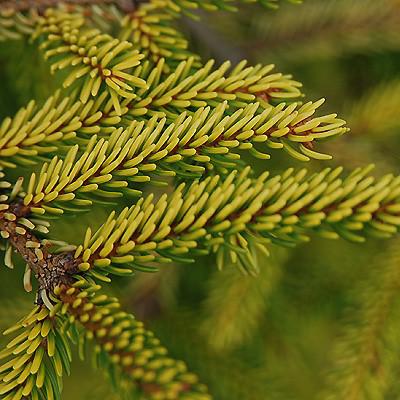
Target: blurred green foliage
[320, 321]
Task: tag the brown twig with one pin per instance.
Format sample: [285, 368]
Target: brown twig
[49, 269]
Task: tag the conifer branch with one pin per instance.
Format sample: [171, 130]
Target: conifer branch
[49, 269]
[173, 5]
[33, 363]
[36, 132]
[138, 120]
[41, 5]
[184, 88]
[126, 345]
[149, 27]
[23, 235]
[222, 215]
[33, 132]
[108, 167]
[185, 6]
[95, 60]
[19, 18]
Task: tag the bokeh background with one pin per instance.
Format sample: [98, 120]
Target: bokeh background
[320, 321]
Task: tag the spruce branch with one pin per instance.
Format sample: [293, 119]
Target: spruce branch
[19, 18]
[122, 343]
[49, 269]
[174, 5]
[33, 131]
[138, 120]
[34, 362]
[186, 6]
[22, 234]
[108, 167]
[37, 132]
[96, 116]
[185, 88]
[41, 5]
[95, 60]
[226, 214]
[150, 28]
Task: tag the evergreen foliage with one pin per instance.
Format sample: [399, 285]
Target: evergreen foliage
[135, 105]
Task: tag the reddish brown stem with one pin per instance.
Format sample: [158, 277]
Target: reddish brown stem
[49, 269]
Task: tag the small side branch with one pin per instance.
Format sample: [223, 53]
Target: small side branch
[49, 269]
